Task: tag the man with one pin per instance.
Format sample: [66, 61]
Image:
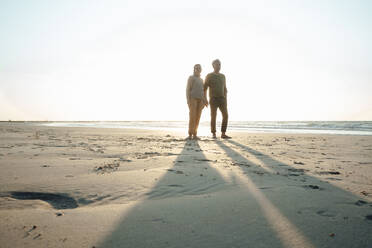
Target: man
[216, 82]
[196, 101]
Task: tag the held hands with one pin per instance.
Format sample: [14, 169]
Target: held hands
[205, 101]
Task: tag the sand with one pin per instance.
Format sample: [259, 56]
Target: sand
[90, 187]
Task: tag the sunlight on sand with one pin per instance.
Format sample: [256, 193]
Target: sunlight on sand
[288, 233]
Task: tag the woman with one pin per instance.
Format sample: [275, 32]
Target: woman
[195, 100]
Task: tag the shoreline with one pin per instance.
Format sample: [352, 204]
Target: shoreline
[240, 127]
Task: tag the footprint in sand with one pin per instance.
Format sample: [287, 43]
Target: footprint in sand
[28, 232]
[205, 160]
[107, 167]
[175, 185]
[176, 171]
[361, 203]
[313, 187]
[328, 173]
[365, 163]
[326, 213]
[297, 170]
[334, 179]
[240, 164]
[299, 163]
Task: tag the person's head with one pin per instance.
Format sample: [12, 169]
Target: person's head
[216, 65]
[197, 69]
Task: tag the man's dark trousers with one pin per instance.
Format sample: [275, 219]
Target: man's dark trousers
[221, 103]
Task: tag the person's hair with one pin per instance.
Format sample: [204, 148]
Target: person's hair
[215, 61]
[196, 65]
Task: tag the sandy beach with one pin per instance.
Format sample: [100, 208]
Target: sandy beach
[101, 187]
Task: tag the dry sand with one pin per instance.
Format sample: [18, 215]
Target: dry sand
[90, 187]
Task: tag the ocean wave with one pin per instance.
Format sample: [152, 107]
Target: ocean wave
[322, 127]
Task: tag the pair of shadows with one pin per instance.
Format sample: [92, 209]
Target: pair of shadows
[323, 201]
[159, 220]
[267, 160]
[178, 215]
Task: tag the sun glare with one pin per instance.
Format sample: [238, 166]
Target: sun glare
[135, 66]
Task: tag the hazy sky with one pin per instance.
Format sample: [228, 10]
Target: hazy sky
[130, 60]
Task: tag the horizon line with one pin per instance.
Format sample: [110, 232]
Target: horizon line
[183, 120]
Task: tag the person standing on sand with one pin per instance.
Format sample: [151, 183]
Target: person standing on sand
[216, 82]
[196, 101]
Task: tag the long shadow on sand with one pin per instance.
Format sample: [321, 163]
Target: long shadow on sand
[243, 206]
[302, 205]
[197, 211]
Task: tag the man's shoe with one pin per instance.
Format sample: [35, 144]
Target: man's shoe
[195, 138]
[214, 136]
[224, 136]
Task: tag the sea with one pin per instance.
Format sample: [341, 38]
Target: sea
[290, 127]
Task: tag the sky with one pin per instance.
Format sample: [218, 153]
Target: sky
[84, 60]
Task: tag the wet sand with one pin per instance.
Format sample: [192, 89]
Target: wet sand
[91, 187]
